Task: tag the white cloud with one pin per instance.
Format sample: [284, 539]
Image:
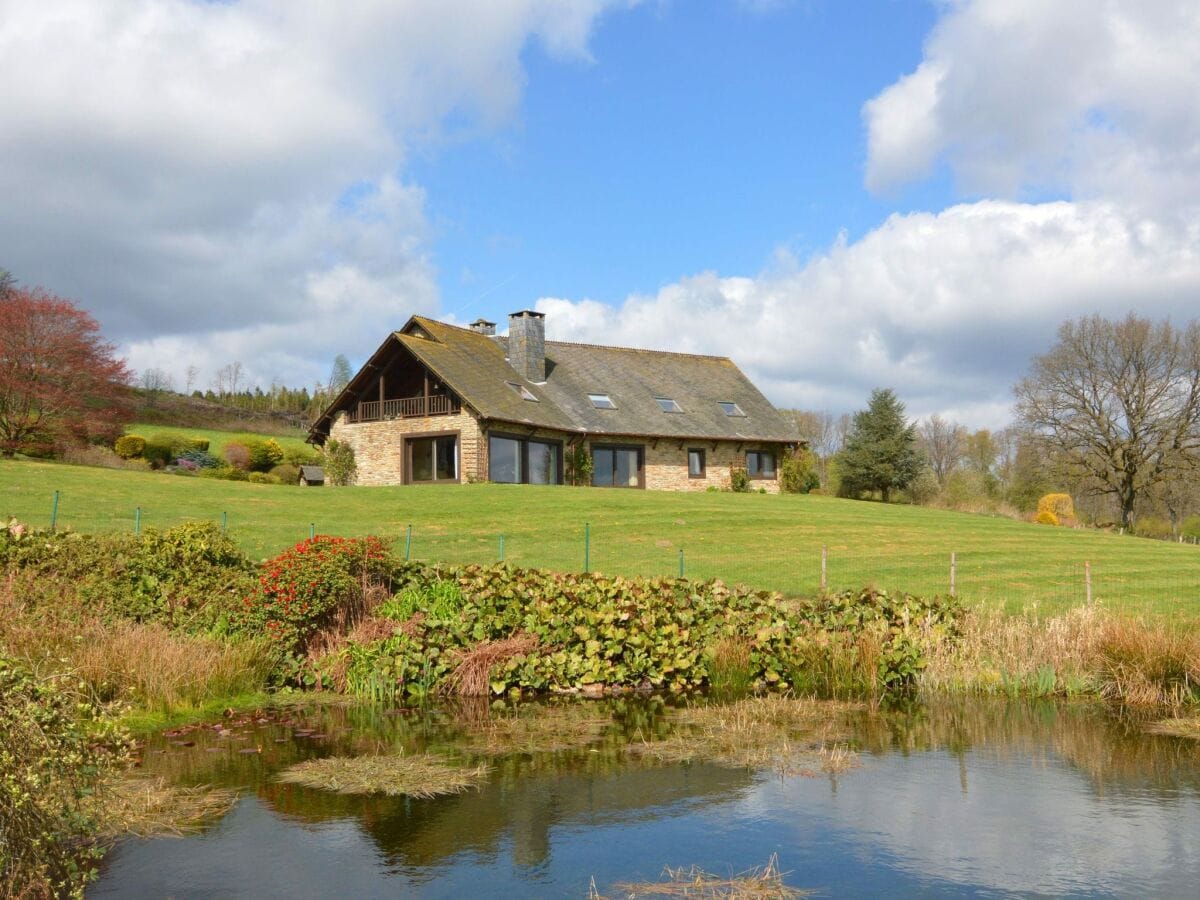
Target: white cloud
[945, 308]
[1086, 98]
[215, 179]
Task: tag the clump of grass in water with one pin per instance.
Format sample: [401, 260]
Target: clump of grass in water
[730, 675]
[793, 736]
[420, 776]
[150, 807]
[536, 729]
[1178, 727]
[759, 883]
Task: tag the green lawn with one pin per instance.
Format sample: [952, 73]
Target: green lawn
[765, 541]
[218, 439]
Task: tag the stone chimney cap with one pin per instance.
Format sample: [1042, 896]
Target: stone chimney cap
[526, 312]
[482, 322]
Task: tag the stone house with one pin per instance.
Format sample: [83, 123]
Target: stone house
[439, 403]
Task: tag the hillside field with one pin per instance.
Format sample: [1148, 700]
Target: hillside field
[765, 541]
[218, 439]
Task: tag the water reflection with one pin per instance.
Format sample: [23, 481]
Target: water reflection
[953, 798]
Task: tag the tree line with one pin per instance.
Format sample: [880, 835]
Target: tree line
[1110, 414]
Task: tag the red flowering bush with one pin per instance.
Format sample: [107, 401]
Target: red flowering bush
[305, 588]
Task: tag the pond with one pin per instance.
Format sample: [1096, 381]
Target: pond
[950, 799]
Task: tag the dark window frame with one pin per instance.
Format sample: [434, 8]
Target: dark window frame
[524, 440]
[774, 465]
[406, 451]
[641, 465]
[703, 462]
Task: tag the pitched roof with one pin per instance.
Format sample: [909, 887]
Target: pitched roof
[476, 368]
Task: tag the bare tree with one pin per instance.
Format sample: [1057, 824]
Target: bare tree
[228, 379]
[156, 381]
[943, 443]
[1118, 403]
[7, 282]
[190, 377]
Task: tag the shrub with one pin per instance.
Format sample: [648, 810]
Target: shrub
[237, 455]
[797, 473]
[265, 455]
[56, 750]
[200, 444]
[338, 462]
[129, 446]
[1046, 517]
[286, 473]
[301, 456]
[197, 459]
[739, 480]
[578, 464]
[158, 452]
[924, 488]
[1153, 527]
[97, 455]
[305, 588]
[1191, 527]
[1060, 505]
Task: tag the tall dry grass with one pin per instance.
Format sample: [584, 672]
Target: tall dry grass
[1083, 651]
[143, 663]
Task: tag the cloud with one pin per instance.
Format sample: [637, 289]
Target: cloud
[215, 179]
[1086, 99]
[946, 308]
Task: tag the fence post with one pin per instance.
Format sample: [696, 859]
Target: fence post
[408, 545]
[681, 563]
[953, 574]
[224, 522]
[824, 569]
[312, 530]
[54, 512]
[502, 546]
[587, 546]
[1087, 580]
[137, 520]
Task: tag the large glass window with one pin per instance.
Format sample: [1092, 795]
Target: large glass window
[433, 458]
[504, 460]
[617, 466]
[513, 460]
[760, 464]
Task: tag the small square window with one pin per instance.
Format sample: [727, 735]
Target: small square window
[602, 401]
[730, 408]
[526, 393]
[760, 464]
[668, 405]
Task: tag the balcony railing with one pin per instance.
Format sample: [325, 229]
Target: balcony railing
[404, 408]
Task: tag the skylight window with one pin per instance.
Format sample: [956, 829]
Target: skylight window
[602, 401]
[668, 405]
[526, 393]
[730, 408]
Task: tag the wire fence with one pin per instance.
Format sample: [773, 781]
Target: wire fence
[1145, 578]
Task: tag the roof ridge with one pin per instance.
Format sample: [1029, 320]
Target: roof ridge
[586, 344]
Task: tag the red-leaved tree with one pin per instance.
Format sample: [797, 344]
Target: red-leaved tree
[59, 378]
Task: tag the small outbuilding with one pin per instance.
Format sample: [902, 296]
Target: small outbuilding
[312, 476]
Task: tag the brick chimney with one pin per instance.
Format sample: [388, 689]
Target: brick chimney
[527, 344]
[483, 326]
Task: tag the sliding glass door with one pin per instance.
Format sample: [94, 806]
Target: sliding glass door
[432, 459]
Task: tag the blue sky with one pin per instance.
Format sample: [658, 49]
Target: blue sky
[699, 136]
[837, 195]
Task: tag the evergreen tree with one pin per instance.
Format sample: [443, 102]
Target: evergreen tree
[880, 452]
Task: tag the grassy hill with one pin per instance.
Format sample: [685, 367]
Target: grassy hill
[218, 439]
[765, 541]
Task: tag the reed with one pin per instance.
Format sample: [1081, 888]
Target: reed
[759, 883]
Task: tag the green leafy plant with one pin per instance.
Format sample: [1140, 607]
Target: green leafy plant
[338, 461]
[265, 455]
[739, 480]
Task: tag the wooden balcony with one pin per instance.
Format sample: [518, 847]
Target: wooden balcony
[404, 408]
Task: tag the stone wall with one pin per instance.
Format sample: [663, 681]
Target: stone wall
[379, 446]
[378, 451]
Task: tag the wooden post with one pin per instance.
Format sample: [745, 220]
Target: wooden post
[824, 569]
[953, 574]
[1087, 581]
